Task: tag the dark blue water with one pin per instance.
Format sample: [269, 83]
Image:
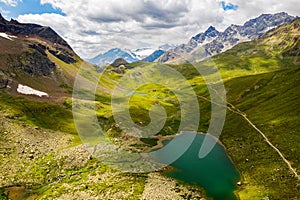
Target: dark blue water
[215, 173]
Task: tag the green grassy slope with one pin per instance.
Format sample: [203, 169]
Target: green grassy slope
[40, 114]
[271, 102]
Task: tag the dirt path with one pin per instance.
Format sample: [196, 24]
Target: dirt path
[233, 109]
[237, 111]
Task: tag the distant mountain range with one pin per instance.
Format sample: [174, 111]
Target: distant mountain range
[214, 42]
[141, 54]
[111, 55]
[154, 56]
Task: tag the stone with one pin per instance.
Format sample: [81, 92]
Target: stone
[13, 75]
[177, 190]
[3, 82]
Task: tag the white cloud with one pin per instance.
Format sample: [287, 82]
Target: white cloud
[11, 2]
[93, 26]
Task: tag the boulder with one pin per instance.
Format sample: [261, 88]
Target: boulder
[3, 83]
[3, 80]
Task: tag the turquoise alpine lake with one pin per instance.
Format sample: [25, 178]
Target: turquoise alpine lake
[215, 173]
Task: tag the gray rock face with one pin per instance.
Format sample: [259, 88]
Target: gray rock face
[3, 80]
[214, 42]
[3, 83]
[33, 63]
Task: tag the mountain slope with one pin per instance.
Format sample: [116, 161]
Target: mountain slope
[36, 56]
[215, 42]
[277, 49]
[154, 56]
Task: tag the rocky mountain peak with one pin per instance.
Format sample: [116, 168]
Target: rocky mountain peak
[211, 32]
[111, 55]
[13, 21]
[231, 30]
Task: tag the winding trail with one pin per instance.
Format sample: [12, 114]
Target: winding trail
[233, 109]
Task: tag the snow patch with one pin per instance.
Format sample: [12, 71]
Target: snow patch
[6, 36]
[268, 29]
[23, 89]
[143, 53]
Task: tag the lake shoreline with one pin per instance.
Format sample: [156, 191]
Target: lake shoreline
[169, 170]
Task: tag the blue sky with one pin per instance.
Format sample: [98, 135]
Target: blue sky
[228, 6]
[27, 7]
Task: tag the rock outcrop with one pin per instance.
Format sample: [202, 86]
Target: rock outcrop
[33, 63]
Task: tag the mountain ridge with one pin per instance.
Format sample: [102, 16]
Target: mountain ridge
[111, 55]
[214, 42]
[27, 29]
